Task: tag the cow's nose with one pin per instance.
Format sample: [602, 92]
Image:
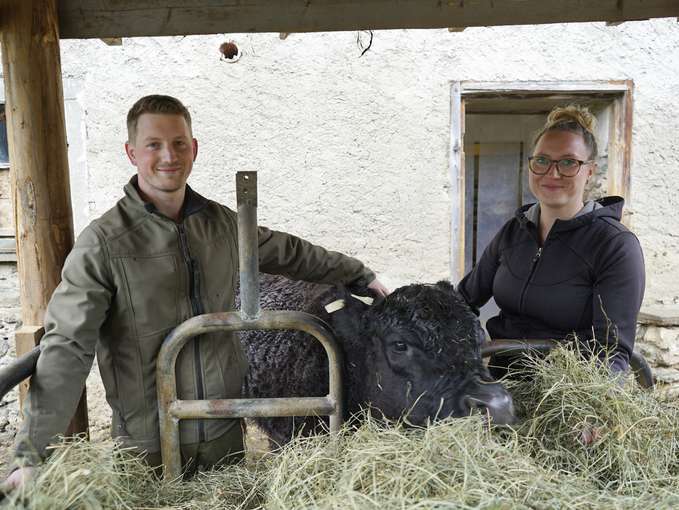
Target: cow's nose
[491, 399]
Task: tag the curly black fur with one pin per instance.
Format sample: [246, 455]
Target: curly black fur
[438, 315]
[293, 364]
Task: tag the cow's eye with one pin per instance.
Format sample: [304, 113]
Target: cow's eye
[400, 346]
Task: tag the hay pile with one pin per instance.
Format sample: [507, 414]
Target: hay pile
[636, 436]
[632, 461]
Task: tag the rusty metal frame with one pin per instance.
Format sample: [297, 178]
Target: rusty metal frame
[642, 372]
[171, 409]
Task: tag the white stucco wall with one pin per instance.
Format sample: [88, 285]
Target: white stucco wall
[353, 153]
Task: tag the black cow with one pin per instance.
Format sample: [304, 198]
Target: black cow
[415, 353]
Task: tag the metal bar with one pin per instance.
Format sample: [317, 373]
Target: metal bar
[248, 246]
[503, 346]
[18, 370]
[640, 368]
[232, 321]
[252, 407]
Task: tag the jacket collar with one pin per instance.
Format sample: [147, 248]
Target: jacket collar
[610, 207]
[193, 202]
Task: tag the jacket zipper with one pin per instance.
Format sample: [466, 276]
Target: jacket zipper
[196, 309]
[534, 263]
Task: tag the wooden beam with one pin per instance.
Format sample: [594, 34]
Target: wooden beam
[479, 88]
[132, 18]
[37, 152]
[26, 337]
[457, 183]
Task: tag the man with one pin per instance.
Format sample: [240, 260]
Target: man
[160, 256]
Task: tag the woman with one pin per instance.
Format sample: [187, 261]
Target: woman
[563, 267]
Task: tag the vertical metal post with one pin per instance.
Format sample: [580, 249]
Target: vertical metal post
[248, 245]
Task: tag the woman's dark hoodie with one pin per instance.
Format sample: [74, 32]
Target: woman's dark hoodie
[586, 279]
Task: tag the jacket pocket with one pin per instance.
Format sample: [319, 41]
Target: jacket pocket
[233, 364]
[219, 270]
[153, 286]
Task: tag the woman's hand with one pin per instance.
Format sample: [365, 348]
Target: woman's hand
[589, 434]
[18, 478]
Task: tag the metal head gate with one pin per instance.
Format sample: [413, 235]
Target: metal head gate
[171, 409]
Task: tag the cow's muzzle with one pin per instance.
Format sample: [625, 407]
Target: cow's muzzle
[491, 399]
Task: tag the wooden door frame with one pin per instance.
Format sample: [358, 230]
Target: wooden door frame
[618, 92]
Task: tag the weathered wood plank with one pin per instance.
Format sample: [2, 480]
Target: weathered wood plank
[130, 18]
[457, 184]
[493, 88]
[498, 188]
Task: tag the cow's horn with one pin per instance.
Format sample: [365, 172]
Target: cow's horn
[364, 299]
[335, 305]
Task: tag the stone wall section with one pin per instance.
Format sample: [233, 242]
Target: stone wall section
[658, 341]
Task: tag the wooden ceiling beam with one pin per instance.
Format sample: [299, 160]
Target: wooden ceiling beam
[84, 19]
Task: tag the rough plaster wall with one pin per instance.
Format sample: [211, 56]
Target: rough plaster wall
[346, 148]
[353, 152]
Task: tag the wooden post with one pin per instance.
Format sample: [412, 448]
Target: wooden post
[26, 337]
[29, 41]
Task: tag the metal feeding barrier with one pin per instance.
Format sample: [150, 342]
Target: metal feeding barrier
[250, 317]
[638, 364]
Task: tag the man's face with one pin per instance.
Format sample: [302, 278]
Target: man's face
[163, 152]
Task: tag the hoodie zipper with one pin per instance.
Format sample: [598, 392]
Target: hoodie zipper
[533, 266]
[196, 309]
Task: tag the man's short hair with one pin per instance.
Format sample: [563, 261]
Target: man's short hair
[155, 103]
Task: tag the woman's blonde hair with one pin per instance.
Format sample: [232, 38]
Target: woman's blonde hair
[575, 119]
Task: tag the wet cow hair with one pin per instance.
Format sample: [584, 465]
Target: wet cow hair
[437, 313]
[291, 364]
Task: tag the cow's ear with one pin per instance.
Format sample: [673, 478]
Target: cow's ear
[344, 311]
[481, 336]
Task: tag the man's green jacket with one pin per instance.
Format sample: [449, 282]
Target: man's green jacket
[131, 277]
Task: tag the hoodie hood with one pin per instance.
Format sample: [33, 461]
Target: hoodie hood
[610, 207]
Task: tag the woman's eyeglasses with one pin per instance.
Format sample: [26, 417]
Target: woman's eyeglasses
[567, 167]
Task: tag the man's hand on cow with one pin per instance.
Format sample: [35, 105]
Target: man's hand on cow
[379, 288]
[18, 478]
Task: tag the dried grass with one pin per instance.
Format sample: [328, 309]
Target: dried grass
[457, 464]
[636, 451]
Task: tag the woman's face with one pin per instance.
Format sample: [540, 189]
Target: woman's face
[553, 190]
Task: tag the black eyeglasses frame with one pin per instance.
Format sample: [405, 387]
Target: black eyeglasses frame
[556, 163]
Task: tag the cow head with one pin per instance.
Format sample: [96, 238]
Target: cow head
[416, 354]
